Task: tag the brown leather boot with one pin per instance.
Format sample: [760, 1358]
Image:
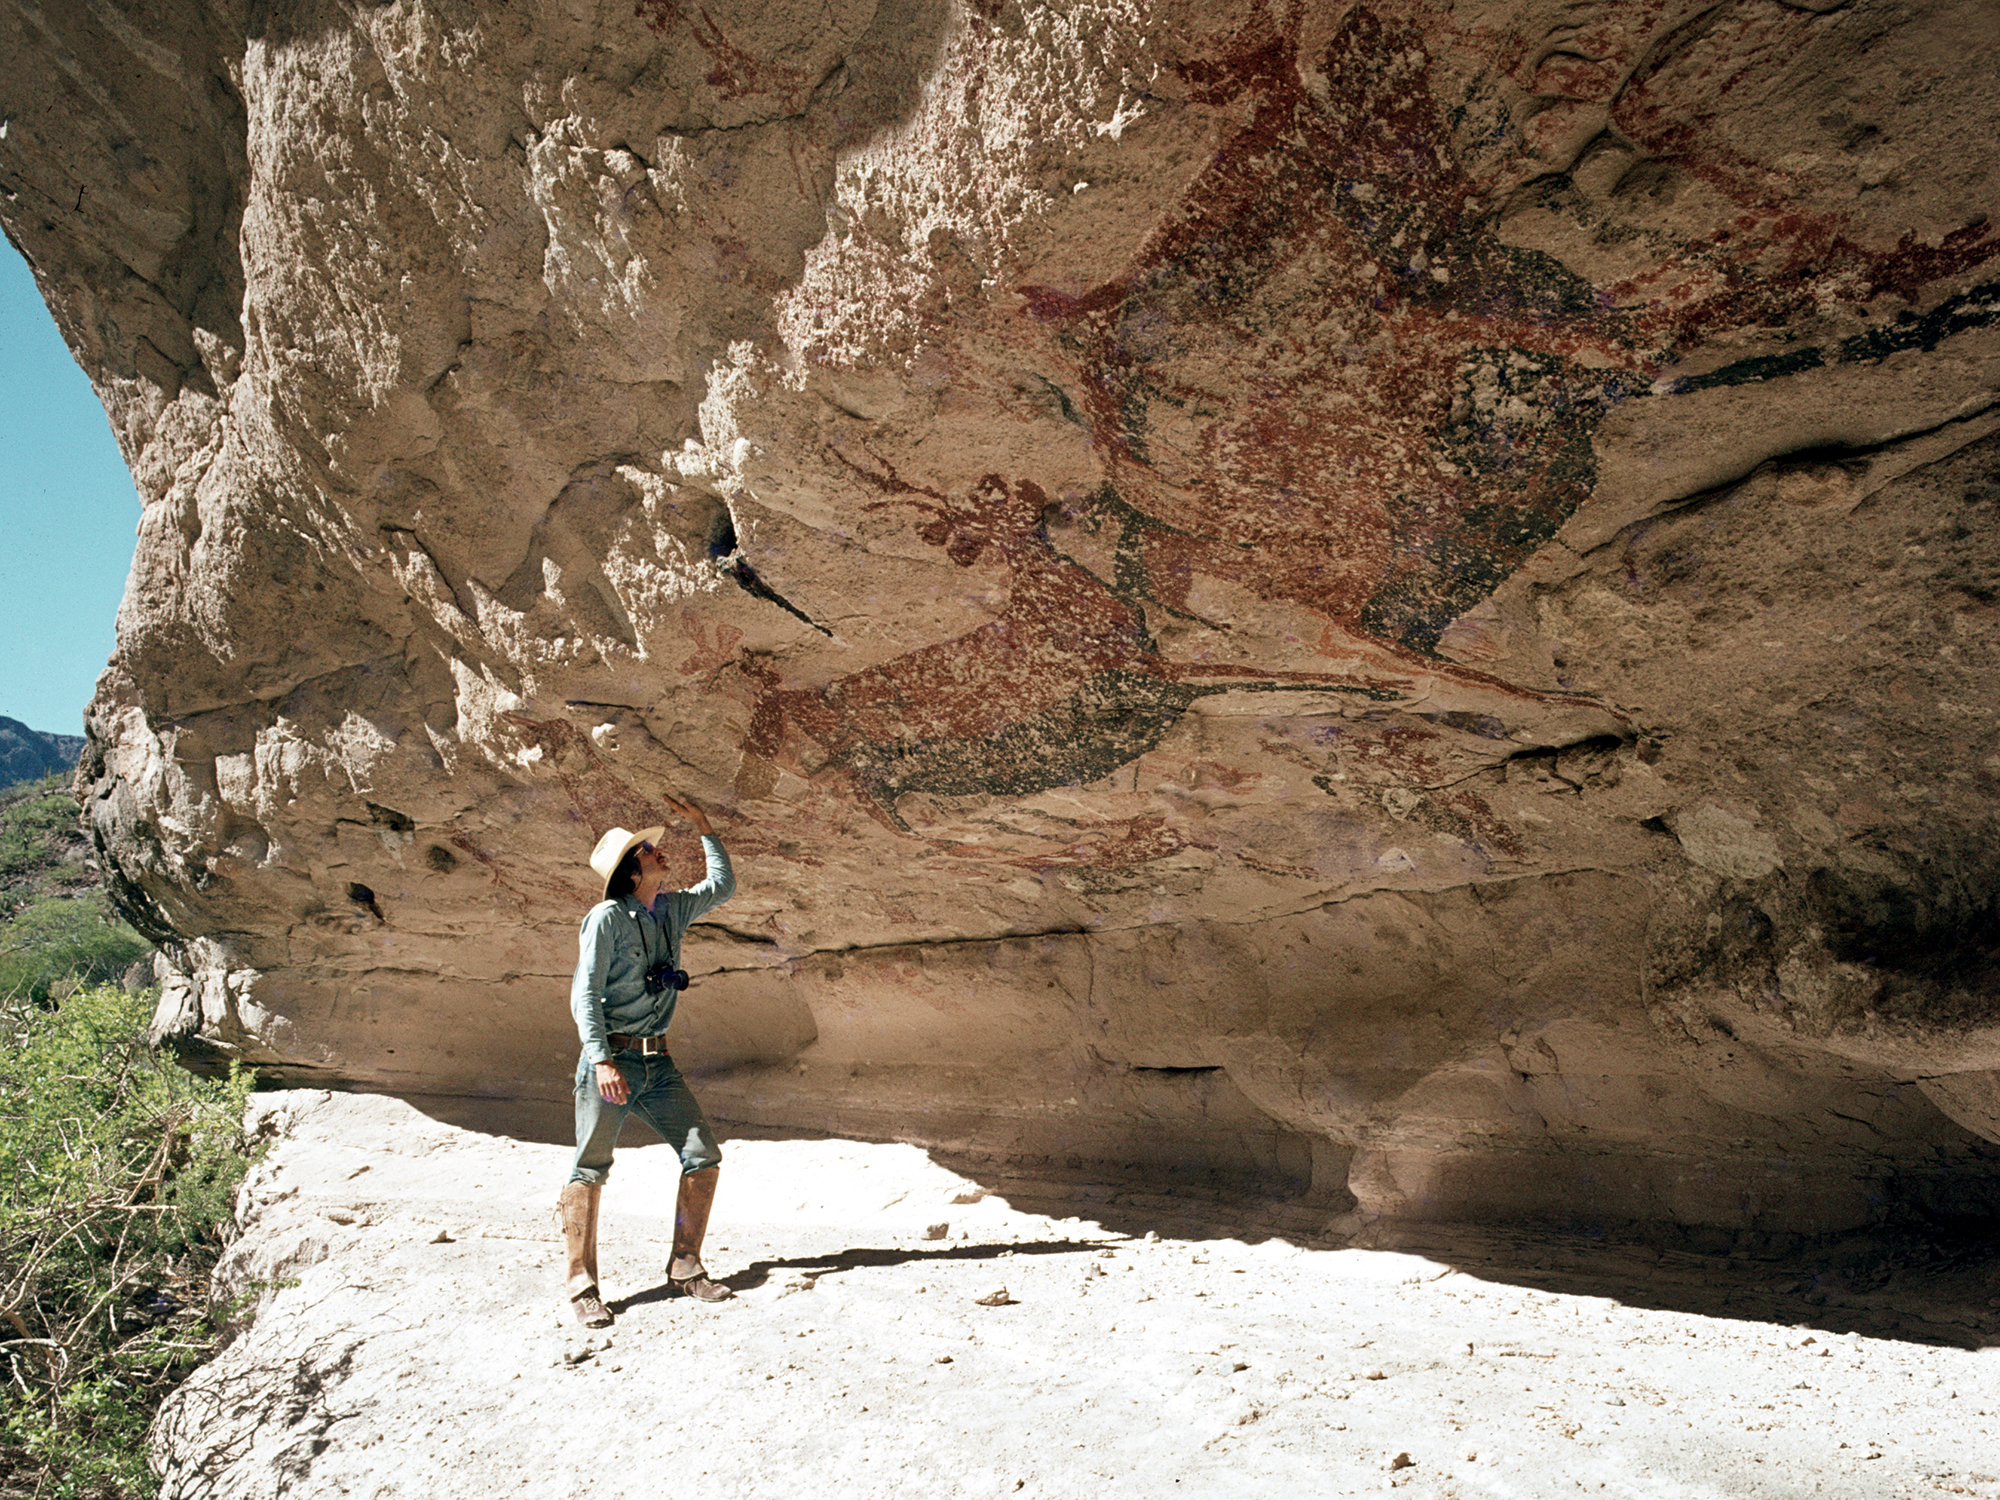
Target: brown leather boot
[576, 1216]
[685, 1272]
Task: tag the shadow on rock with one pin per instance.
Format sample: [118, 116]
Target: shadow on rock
[813, 1267]
[1918, 1281]
[217, 1417]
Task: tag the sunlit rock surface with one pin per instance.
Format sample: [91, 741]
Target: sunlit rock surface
[1390, 606]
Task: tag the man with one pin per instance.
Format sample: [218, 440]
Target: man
[627, 982]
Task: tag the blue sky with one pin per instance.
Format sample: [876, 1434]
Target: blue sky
[67, 514]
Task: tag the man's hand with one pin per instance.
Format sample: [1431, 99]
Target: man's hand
[688, 810]
[611, 1084]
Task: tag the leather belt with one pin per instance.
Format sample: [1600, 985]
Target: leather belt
[645, 1046]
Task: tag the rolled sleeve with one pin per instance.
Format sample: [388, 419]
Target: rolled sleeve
[718, 885]
[676, 909]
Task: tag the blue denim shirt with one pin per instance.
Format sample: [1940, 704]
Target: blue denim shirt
[620, 940]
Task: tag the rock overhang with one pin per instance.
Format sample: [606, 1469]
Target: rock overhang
[1391, 606]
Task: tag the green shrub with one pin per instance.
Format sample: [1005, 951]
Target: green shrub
[57, 926]
[34, 818]
[118, 1174]
[64, 941]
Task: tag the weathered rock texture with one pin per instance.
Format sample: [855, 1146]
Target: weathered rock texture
[1388, 603]
[408, 1340]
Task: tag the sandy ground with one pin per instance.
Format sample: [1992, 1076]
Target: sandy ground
[414, 1343]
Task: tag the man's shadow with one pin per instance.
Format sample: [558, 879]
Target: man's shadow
[758, 1272]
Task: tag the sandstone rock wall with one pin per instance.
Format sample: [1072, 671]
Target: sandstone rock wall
[1389, 604]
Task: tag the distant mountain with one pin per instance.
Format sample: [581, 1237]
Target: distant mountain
[27, 753]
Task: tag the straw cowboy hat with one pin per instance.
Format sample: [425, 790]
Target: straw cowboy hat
[614, 846]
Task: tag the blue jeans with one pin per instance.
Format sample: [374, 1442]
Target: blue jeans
[661, 1098]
